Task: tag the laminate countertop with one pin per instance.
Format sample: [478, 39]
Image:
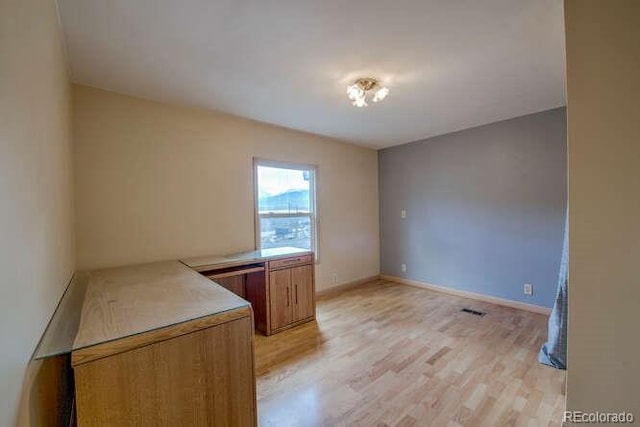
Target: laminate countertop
[205, 263]
[107, 305]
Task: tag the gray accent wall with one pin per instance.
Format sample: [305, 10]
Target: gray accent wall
[485, 208]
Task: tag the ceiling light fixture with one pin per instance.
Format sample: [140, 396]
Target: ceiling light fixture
[366, 89]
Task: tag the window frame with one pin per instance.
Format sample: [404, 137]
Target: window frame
[313, 202]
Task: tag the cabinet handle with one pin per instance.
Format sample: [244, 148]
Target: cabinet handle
[288, 289]
[296, 294]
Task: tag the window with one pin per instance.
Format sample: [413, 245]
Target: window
[285, 205]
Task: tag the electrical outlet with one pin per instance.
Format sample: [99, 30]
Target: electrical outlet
[528, 289]
[334, 278]
[403, 214]
[403, 267]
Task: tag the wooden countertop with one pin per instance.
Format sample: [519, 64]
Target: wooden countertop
[127, 301]
[205, 263]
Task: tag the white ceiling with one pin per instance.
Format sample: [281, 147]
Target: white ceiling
[450, 64]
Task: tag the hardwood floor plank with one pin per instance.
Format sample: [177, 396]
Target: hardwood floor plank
[394, 355]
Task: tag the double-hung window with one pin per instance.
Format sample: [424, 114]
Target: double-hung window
[285, 205]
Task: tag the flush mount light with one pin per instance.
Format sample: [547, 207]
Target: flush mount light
[366, 89]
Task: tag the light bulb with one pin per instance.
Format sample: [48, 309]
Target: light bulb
[381, 94]
[354, 92]
[360, 102]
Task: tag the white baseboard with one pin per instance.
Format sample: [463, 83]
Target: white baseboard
[494, 300]
[344, 286]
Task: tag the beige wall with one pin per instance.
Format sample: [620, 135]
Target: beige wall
[154, 181]
[36, 236]
[603, 86]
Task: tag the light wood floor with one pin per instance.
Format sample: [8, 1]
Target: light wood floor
[389, 354]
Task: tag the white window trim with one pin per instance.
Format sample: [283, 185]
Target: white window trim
[314, 215]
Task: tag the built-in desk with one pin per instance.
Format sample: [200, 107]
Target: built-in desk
[279, 283]
[155, 344]
[161, 344]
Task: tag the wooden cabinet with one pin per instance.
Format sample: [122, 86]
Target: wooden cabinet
[278, 282]
[148, 345]
[292, 293]
[203, 378]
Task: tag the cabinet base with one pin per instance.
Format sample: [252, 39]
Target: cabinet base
[289, 326]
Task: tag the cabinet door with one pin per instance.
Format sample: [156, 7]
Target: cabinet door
[281, 302]
[303, 292]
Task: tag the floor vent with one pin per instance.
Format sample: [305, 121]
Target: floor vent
[474, 312]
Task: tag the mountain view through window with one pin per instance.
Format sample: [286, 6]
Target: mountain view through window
[285, 207]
